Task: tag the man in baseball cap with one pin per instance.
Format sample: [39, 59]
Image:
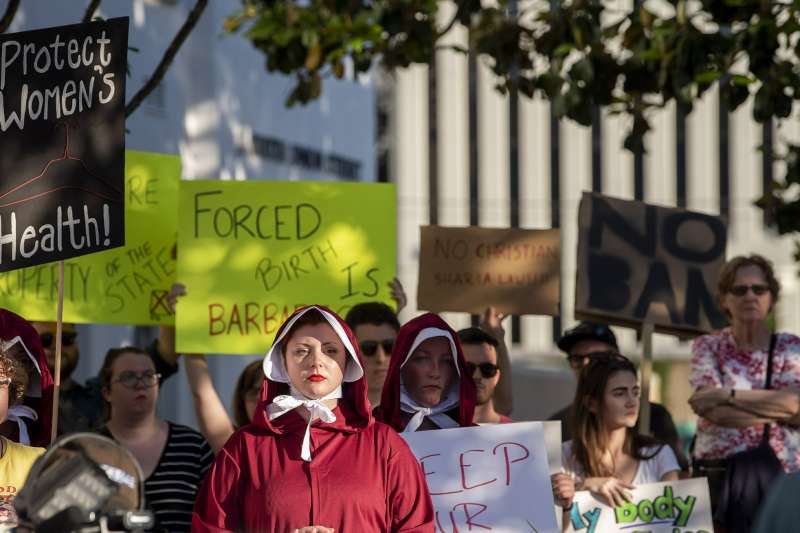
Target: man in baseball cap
[588, 339]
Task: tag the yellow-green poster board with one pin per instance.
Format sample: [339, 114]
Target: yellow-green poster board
[250, 252]
[125, 285]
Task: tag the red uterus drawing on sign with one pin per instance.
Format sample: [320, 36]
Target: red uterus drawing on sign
[58, 176]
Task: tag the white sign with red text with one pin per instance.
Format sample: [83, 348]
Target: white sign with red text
[483, 478]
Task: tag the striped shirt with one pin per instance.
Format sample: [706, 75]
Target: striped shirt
[171, 489]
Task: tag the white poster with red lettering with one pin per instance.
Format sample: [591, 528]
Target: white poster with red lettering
[492, 477]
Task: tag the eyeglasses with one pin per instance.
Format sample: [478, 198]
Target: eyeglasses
[67, 338]
[370, 348]
[741, 290]
[132, 379]
[488, 370]
[578, 361]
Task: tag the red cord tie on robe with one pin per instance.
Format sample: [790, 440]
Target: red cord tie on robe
[317, 410]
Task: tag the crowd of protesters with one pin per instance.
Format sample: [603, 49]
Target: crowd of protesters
[312, 445]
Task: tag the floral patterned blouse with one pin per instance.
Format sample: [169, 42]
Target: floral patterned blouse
[717, 362]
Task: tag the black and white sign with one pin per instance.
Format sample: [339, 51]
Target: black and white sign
[62, 144]
[639, 262]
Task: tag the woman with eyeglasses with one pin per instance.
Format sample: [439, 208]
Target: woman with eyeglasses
[607, 455]
[174, 458]
[729, 375]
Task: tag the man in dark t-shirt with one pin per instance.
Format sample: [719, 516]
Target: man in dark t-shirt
[587, 338]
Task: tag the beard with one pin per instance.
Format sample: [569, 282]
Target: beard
[483, 396]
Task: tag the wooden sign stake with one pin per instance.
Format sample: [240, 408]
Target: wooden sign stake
[647, 372]
[59, 327]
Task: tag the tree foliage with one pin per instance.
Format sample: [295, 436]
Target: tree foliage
[577, 54]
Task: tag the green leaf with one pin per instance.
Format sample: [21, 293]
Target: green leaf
[563, 50]
[313, 57]
[706, 78]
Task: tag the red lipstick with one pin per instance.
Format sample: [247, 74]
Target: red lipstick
[316, 378]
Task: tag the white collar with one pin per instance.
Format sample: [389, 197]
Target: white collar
[316, 408]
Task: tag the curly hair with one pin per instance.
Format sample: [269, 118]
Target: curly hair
[16, 371]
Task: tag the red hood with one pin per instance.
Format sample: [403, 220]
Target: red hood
[388, 411]
[354, 411]
[11, 326]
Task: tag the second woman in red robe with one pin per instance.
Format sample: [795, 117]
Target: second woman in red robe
[427, 386]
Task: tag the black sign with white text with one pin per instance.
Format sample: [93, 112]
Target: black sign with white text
[62, 143]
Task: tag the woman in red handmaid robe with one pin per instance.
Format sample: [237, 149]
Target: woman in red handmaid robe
[427, 386]
[314, 459]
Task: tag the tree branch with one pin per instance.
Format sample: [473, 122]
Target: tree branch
[8, 16]
[169, 56]
[90, 9]
[449, 26]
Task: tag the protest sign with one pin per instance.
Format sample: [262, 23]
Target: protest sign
[250, 252]
[668, 507]
[639, 262]
[62, 125]
[126, 285]
[467, 269]
[487, 477]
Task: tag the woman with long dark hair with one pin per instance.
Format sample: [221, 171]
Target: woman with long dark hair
[607, 455]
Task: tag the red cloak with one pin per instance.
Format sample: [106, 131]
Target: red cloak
[389, 410]
[39, 396]
[362, 476]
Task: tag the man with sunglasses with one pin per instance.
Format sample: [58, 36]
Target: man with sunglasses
[80, 407]
[375, 326]
[480, 351]
[592, 339]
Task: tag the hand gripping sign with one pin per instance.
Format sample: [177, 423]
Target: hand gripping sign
[492, 477]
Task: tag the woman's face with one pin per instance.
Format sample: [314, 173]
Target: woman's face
[134, 388]
[621, 401]
[748, 307]
[251, 398]
[430, 371]
[315, 360]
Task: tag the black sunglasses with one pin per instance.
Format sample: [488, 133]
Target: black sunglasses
[741, 290]
[488, 370]
[370, 348]
[67, 338]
